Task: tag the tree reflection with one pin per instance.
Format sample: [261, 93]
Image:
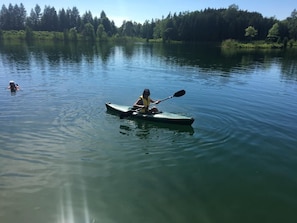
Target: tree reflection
[203, 56]
[289, 65]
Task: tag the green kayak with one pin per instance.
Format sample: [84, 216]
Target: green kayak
[164, 117]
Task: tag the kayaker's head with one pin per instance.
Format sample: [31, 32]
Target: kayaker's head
[11, 83]
[146, 93]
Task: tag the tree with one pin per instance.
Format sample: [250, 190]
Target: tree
[73, 34]
[33, 21]
[273, 33]
[74, 17]
[63, 20]
[233, 7]
[88, 32]
[128, 29]
[292, 25]
[251, 32]
[109, 27]
[49, 19]
[169, 30]
[37, 11]
[159, 29]
[13, 17]
[147, 30]
[101, 34]
[87, 18]
[20, 15]
[4, 18]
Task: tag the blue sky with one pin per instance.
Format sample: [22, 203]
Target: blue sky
[141, 10]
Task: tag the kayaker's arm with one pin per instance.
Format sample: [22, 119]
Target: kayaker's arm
[155, 101]
[138, 104]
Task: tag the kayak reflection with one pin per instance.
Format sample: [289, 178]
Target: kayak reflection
[143, 127]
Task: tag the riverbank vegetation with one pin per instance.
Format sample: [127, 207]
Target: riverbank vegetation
[231, 43]
[231, 26]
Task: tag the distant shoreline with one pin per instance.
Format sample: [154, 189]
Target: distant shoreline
[59, 37]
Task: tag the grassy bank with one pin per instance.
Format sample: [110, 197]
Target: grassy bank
[23, 35]
[230, 43]
[36, 35]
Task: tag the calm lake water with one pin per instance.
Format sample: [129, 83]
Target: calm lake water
[64, 159]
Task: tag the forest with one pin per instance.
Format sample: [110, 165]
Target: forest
[204, 25]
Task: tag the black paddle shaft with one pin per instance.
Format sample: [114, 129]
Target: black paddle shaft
[176, 94]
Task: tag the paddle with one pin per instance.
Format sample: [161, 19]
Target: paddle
[176, 94]
[130, 112]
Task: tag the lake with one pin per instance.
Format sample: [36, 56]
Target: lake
[65, 159]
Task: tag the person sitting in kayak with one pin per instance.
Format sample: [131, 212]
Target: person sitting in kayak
[13, 86]
[143, 103]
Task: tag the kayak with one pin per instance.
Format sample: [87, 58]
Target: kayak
[164, 117]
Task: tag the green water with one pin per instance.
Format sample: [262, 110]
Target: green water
[63, 158]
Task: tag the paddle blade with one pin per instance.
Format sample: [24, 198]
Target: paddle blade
[179, 93]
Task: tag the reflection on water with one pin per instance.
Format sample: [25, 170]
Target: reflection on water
[206, 56]
[142, 128]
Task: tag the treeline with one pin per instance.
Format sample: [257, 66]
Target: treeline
[205, 25]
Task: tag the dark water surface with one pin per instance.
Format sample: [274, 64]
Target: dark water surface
[64, 159]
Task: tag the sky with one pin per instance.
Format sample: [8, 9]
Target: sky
[142, 10]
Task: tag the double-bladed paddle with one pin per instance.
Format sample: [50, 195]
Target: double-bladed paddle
[130, 112]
